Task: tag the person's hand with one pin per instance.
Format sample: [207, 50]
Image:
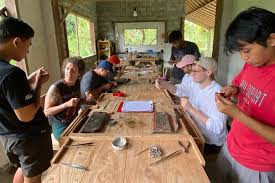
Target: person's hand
[226, 106]
[72, 102]
[90, 98]
[108, 86]
[114, 84]
[158, 85]
[171, 62]
[229, 91]
[42, 75]
[184, 102]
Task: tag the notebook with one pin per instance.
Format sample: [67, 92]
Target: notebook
[137, 106]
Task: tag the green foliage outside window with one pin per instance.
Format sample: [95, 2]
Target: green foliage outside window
[13, 62]
[79, 36]
[199, 35]
[2, 4]
[139, 37]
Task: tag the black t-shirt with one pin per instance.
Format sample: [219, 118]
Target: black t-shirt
[16, 93]
[189, 48]
[66, 93]
[91, 81]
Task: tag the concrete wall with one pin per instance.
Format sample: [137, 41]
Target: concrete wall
[147, 10]
[229, 66]
[43, 51]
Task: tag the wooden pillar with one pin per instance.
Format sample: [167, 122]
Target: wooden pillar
[59, 32]
[216, 39]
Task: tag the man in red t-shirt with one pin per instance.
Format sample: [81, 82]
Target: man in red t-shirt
[249, 152]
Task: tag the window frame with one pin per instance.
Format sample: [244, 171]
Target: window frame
[160, 25]
[156, 37]
[92, 34]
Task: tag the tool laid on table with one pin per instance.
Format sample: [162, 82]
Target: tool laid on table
[142, 151]
[166, 157]
[185, 146]
[77, 145]
[81, 167]
[106, 104]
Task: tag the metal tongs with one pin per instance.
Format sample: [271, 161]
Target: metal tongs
[185, 147]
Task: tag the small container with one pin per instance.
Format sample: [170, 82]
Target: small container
[119, 143]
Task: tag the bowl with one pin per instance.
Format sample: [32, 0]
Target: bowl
[119, 143]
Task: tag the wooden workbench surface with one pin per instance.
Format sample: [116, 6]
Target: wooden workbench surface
[107, 165]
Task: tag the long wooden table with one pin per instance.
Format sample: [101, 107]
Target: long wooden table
[107, 165]
[103, 164]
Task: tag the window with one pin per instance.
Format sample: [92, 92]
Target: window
[201, 36]
[140, 37]
[2, 4]
[2, 9]
[80, 35]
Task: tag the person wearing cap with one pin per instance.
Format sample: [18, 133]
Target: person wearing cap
[111, 73]
[180, 47]
[112, 61]
[198, 99]
[186, 65]
[94, 82]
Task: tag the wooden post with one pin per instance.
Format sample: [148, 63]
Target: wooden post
[215, 53]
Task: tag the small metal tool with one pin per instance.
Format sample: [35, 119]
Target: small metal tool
[106, 104]
[185, 147]
[142, 151]
[77, 145]
[166, 157]
[81, 167]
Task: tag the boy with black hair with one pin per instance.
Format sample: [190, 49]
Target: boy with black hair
[249, 152]
[179, 49]
[24, 129]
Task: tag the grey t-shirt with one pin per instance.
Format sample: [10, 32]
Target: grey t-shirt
[90, 82]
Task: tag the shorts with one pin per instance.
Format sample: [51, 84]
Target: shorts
[31, 153]
[230, 171]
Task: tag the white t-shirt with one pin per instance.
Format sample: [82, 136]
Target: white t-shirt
[203, 99]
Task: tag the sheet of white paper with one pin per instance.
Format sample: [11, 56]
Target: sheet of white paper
[138, 106]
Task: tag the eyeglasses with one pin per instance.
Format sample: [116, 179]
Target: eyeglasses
[193, 71]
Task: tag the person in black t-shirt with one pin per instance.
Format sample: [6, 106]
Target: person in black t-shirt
[94, 83]
[24, 129]
[179, 49]
[62, 99]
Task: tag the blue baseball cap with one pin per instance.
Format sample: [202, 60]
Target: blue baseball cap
[104, 64]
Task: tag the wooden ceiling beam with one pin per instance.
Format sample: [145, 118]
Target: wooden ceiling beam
[201, 6]
[69, 9]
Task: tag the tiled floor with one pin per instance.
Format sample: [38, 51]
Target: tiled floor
[5, 177]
